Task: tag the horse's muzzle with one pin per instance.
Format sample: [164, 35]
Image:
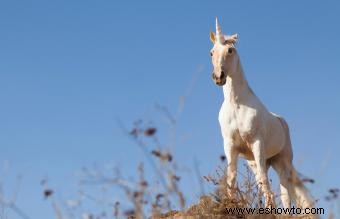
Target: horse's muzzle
[220, 81]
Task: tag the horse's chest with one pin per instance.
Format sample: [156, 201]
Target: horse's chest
[238, 123]
[246, 119]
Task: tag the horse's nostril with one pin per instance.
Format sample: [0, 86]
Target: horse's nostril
[222, 74]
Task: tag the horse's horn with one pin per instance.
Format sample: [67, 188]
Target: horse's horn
[219, 34]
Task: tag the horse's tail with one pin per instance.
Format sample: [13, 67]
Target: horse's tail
[302, 195]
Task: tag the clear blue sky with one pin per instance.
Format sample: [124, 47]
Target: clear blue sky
[68, 69]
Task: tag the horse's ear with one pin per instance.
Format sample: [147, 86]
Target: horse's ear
[231, 39]
[212, 37]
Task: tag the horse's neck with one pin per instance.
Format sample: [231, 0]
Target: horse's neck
[236, 88]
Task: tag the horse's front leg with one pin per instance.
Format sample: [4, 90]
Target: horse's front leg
[231, 154]
[262, 171]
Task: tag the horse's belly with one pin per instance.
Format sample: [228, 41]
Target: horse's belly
[272, 134]
[245, 152]
[275, 139]
[272, 150]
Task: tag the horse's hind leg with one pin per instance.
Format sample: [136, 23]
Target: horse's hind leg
[290, 183]
[252, 166]
[282, 165]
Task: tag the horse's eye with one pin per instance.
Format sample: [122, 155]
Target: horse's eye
[230, 50]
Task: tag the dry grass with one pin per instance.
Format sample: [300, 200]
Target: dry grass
[215, 204]
[148, 202]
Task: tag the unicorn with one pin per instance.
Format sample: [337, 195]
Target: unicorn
[250, 131]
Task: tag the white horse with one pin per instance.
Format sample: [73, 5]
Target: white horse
[250, 130]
